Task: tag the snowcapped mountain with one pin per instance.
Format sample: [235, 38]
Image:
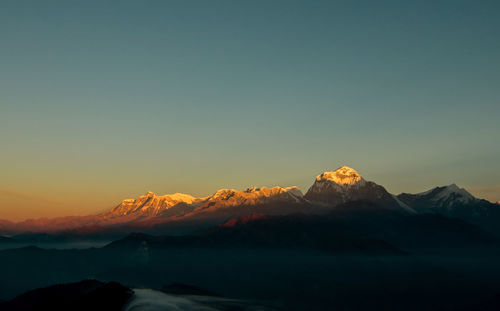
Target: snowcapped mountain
[346, 185]
[178, 204]
[151, 204]
[329, 189]
[252, 197]
[453, 201]
[439, 198]
[342, 190]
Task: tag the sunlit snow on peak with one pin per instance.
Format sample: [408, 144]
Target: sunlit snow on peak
[342, 176]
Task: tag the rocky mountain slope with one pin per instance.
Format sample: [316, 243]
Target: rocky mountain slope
[329, 191]
[346, 185]
[453, 201]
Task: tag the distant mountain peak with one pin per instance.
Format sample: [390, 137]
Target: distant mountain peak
[174, 197]
[180, 204]
[446, 192]
[346, 185]
[341, 188]
[257, 192]
[255, 196]
[180, 197]
[341, 176]
[151, 204]
[449, 200]
[149, 194]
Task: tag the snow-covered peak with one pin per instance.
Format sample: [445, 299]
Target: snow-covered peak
[342, 176]
[151, 204]
[346, 185]
[179, 197]
[255, 192]
[454, 189]
[252, 196]
[450, 191]
[295, 191]
[273, 191]
[175, 197]
[149, 194]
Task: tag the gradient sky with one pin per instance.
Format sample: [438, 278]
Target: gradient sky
[104, 100]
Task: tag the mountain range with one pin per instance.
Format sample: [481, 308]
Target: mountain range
[331, 191]
[346, 244]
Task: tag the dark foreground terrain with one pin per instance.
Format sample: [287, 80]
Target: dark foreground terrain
[95, 295]
[367, 261]
[84, 295]
[282, 279]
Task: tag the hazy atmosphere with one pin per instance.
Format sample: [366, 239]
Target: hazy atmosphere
[101, 101]
[261, 155]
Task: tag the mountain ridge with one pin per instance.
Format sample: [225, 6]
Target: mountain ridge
[329, 190]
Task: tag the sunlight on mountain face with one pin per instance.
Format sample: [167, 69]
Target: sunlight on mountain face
[342, 176]
[151, 204]
[330, 189]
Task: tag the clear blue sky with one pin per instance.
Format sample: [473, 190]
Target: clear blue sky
[103, 100]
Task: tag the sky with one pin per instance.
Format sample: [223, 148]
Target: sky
[105, 100]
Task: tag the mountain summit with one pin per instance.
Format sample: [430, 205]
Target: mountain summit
[346, 185]
[179, 204]
[343, 190]
[441, 199]
[151, 204]
[342, 176]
